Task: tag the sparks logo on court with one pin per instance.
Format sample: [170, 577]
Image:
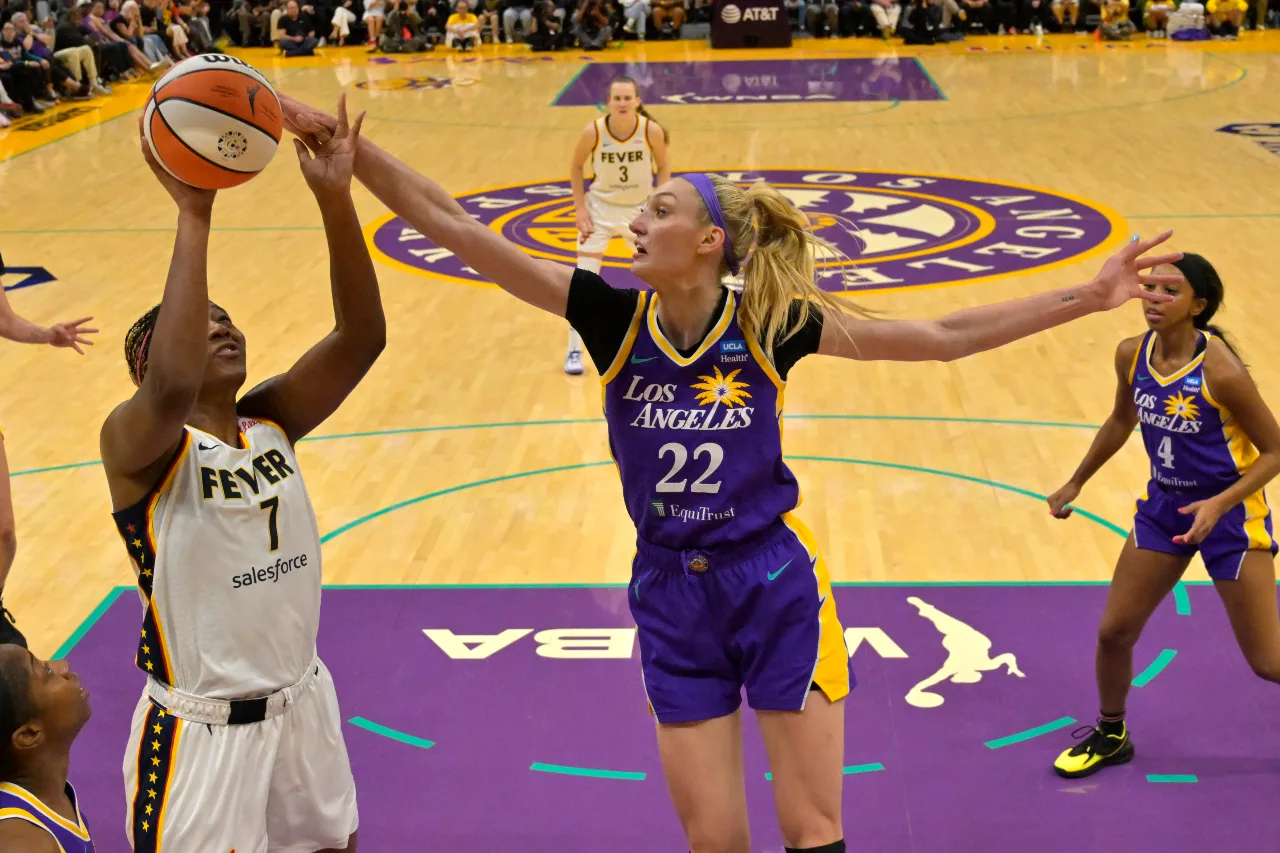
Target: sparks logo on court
[890, 230]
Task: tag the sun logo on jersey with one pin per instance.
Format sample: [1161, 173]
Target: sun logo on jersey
[722, 389]
[1182, 407]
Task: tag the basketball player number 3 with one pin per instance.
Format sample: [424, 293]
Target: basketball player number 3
[1165, 451]
[272, 504]
[714, 451]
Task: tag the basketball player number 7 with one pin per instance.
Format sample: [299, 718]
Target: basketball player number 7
[272, 504]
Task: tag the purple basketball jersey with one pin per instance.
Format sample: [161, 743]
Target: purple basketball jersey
[697, 440]
[17, 803]
[1192, 441]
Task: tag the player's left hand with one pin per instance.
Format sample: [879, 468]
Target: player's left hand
[1121, 277]
[333, 163]
[314, 127]
[72, 334]
[1207, 514]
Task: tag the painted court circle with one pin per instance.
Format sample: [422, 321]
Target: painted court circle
[890, 230]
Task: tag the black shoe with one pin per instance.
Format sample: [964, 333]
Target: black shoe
[9, 633]
[1100, 748]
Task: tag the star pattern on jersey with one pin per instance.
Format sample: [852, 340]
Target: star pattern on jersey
[1182, 407]
[155, 763]
[722, 389]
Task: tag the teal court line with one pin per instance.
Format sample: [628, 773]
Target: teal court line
[848, 771]
[591, 772]
[1173, 777]
[1019, 737]
[379, 729]
[932, 81]
[1155, 667]
[1180, 599]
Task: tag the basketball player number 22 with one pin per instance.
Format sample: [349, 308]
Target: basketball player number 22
[272, 504]
[716, 456]
[1165, 452]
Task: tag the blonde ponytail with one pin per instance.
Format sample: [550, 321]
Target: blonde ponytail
[775, 244]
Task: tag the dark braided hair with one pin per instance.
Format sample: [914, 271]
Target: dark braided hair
[1207, 285]
[137, 342]
[16, 708]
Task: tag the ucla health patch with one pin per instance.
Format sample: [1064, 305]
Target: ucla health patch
[889, 230]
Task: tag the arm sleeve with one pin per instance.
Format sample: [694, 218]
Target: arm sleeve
[804, 342]
[601, 315]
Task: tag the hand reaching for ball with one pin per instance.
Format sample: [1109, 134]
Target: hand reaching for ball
[188, 198]
[328, 165]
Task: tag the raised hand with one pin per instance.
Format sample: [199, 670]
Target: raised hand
[314, 127]
[1121, 277]
[331, 167]
[72, 334]
[188, 198]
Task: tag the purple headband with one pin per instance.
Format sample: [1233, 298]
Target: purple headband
[707, 190]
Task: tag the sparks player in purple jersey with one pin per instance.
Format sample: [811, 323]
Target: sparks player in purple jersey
[43, 706]
[728, 589]
[1213, 445]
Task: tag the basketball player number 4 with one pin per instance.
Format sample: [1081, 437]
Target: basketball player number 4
[716, 456]
[1165, 451]
[272, 504]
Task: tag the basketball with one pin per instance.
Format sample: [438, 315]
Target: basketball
[213, 121]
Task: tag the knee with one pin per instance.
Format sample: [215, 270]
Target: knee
[1118, 636]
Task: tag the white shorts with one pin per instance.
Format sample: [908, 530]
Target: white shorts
[282, 785]
[610, 220]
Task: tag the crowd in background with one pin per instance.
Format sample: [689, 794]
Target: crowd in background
[55, 50]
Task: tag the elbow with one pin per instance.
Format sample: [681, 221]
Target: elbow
[945, 345]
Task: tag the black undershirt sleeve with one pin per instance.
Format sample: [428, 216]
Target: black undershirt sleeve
[804, 342]
[601, 315]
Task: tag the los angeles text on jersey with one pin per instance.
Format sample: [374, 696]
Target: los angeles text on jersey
[1147, 413]
[654, 416]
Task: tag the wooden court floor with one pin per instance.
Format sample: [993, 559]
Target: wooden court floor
[467, 456]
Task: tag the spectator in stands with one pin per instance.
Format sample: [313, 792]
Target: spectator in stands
[73, 50]
[296, 39]
[111, 40]
[636, 14]
[517, 10]
[39, 45]
[921, 23]
[463, 28]
[668, 17]
[592, 25]
[435, 16]
[1155, 16]
[1116, 25]
[823, 18]
[979, 14]
[403, 31]
[24, 77]
[546, 31]
[1225, 17]
[487, 13]
[343, 18]
[375, 13]
[886, 13]
[249, 19]
[202, 31]
[129, 26]
[176, 31]
[795, 13]
[1064, 11]
[1034, 16]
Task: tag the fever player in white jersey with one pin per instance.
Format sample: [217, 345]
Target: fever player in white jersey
[626, 149]
[236, 742]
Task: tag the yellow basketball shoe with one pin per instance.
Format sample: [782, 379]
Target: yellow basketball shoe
[1102, 746]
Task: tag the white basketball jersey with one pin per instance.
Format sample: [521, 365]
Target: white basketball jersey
[623, 168]
[227, 553]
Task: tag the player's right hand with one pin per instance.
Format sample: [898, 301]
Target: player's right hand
[585, 225]
[188, 198]
[1059, 501]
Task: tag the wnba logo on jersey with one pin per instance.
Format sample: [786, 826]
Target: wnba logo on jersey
[890, 230]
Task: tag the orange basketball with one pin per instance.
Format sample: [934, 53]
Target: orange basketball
[213, 121]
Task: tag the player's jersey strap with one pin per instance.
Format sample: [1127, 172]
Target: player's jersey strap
[624, 351]
[622, 169]
[17, 803]
[136, 526]
[155, 760]
[697, 438]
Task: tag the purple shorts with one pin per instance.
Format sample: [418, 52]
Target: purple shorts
[1245, 527]
[758, 615]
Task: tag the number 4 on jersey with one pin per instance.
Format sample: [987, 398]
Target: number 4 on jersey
[1165, 451]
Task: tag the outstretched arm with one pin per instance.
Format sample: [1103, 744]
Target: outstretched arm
[142, 433]
[301, 399]
[15, 328]
[434, 214]
[986, 327]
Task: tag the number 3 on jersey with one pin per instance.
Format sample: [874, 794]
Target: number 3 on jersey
[272, 504]
[715, 454]
[1165, 451]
